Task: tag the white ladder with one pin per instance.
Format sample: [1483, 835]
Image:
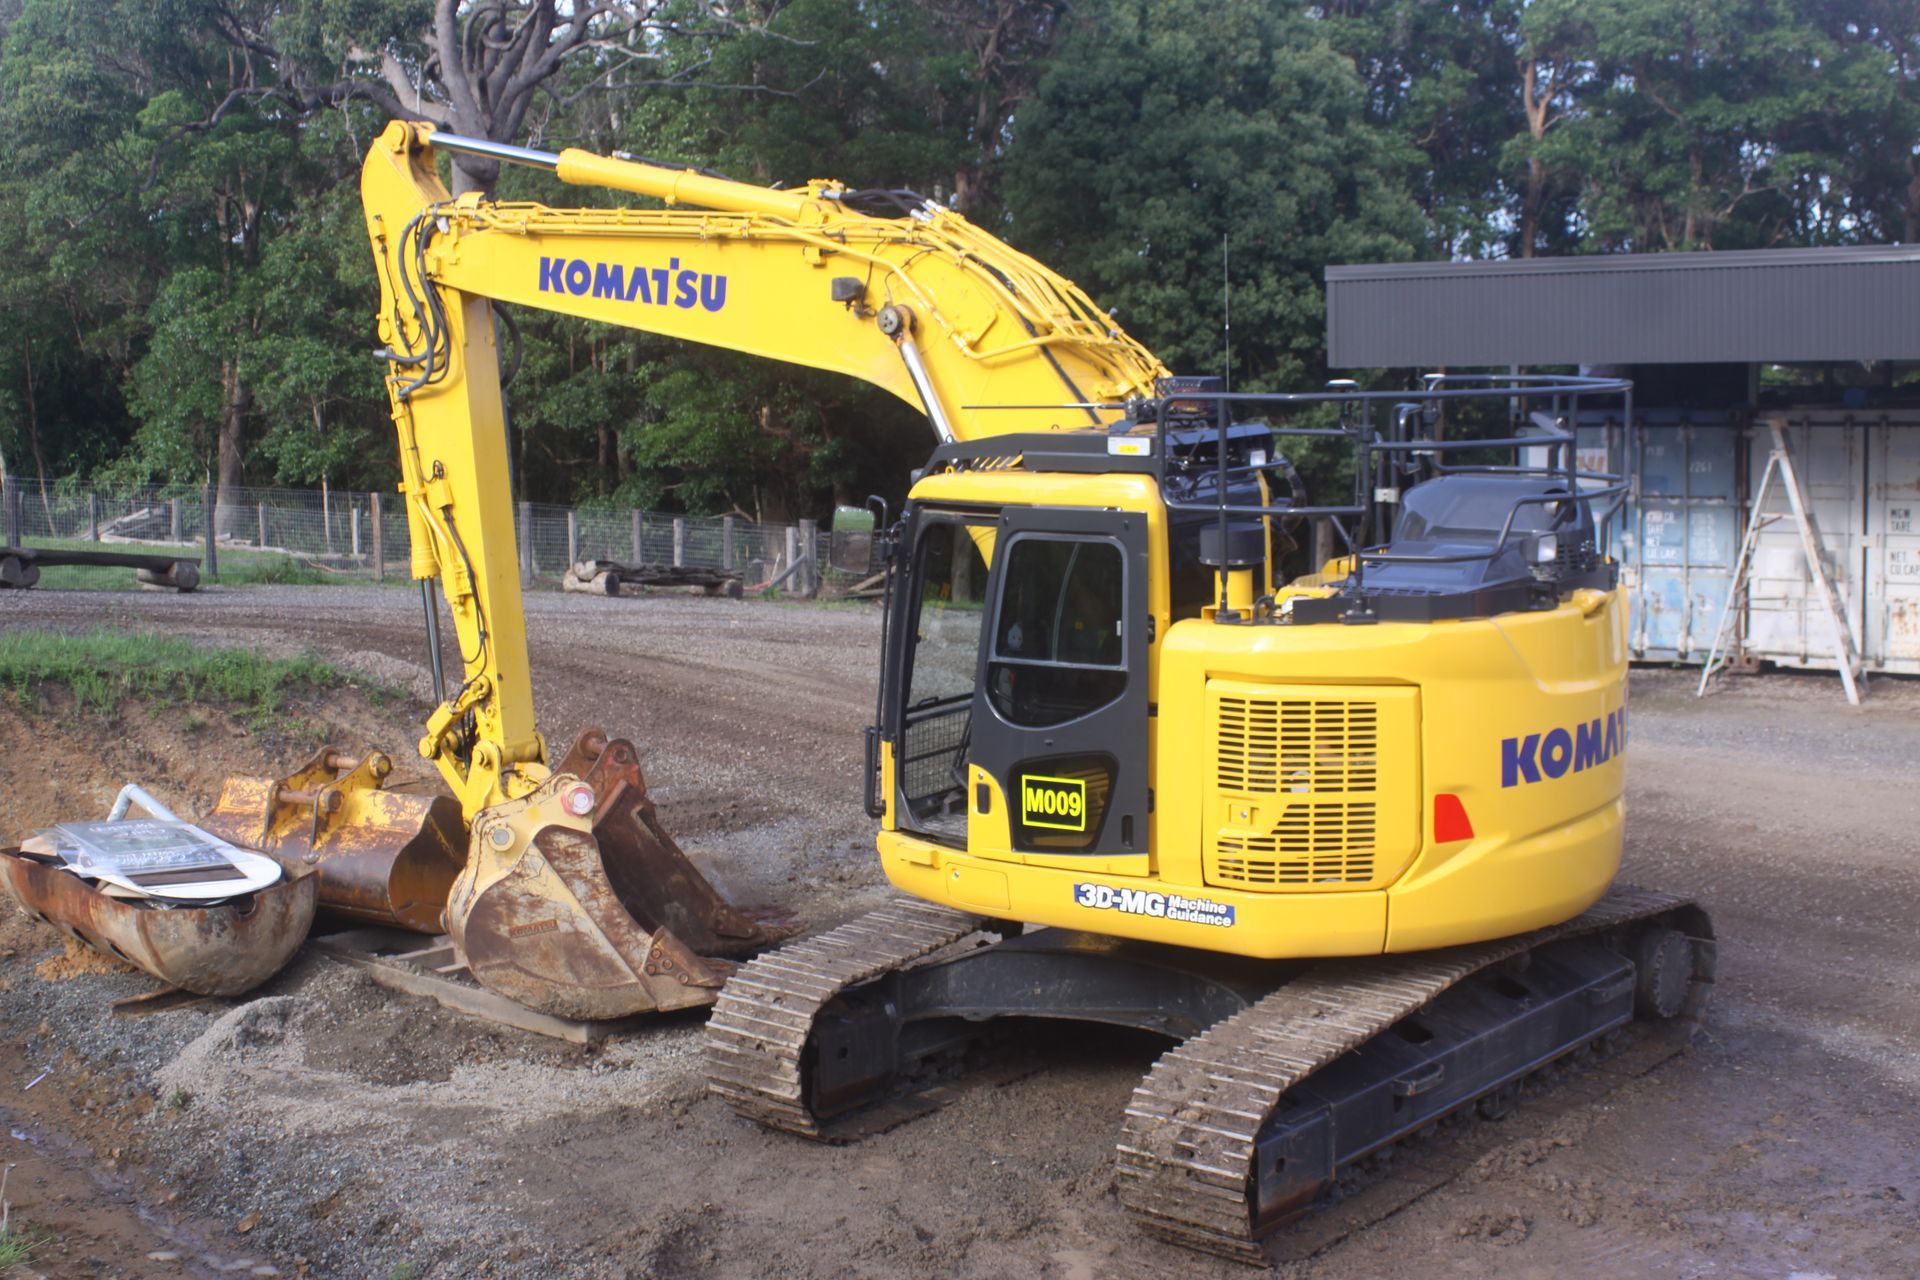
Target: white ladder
[1780, 463]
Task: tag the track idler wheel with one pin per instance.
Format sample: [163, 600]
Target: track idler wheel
[1673, 963]
[576, 902]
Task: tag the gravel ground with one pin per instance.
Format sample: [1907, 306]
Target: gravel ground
[355, 1132]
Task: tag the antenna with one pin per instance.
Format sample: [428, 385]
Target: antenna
[1226, 317]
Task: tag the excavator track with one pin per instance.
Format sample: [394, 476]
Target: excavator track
[1189, 1138]
[1192, 1132]
[758, 1033]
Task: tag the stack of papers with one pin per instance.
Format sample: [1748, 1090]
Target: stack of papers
[168, 862]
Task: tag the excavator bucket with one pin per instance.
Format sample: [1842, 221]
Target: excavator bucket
[383, 856]
[601, 922]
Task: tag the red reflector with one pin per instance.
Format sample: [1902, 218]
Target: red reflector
[1450, 822]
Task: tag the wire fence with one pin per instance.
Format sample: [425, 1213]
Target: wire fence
[355, 536]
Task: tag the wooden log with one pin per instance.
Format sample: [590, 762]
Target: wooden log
[184, 575]
[17, 573]
[600, 584]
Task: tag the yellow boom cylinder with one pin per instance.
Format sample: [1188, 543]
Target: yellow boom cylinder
[678, 186]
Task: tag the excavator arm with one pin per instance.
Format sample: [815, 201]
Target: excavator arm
[945, 316]
[566, 893]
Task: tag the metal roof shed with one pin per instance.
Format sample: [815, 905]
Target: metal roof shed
[1786, 306]
[1694, 461]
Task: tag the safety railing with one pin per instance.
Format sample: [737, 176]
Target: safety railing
[1390, 431]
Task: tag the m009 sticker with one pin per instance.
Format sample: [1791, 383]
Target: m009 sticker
[1058, 804]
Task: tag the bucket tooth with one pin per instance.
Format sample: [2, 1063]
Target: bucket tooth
[651, 876]
[386, 857]
[551, 935]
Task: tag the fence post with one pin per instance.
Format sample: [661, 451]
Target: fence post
[1322, 541]
[639, 540]
[93, 517]
[260, 516]
[526, 543]
[573, 537]
[353, 521]
[175, 527]
[726, 544]
[209, 508]
[810, 548]
[793, 548]
[379, 540]
[679, 541]
[10, 499]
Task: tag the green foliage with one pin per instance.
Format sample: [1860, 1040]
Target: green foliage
[1707, 123]
[188, 280]
[16, 1248]
[103, 668]
[1169, 127]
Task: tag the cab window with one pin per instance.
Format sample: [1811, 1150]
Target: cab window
[943, 655]
[1059, 635]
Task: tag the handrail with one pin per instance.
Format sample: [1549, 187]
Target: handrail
[1377, 475]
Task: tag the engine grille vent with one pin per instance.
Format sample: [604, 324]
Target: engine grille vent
[1319, 842]
[1268, 746]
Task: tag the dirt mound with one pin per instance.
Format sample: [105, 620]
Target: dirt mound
[180, 753]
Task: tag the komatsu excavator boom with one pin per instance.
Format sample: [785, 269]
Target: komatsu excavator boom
[556, 879]
[1348, 835]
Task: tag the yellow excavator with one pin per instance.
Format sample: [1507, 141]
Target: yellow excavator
[1347, 837]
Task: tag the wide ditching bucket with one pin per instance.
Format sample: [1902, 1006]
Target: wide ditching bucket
[384, 857]
[575, 900]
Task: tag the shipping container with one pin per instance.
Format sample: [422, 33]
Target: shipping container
[1693, 474]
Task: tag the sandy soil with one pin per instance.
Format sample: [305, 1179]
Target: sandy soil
[352, 1132]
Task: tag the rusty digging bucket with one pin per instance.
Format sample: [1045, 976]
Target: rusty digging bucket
[599, 923]
[385, 857]
[222, 950]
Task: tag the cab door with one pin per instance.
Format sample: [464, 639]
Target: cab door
[1060, 706]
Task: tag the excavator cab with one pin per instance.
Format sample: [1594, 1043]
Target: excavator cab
[1038, 665]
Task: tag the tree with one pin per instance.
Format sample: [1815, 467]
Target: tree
[1876, 194]
[1167, 128]
[478, 68]
[1698, 124]
[1443, 78]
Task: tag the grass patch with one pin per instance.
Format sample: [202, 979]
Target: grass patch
[16, 1247]
[104, 667]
